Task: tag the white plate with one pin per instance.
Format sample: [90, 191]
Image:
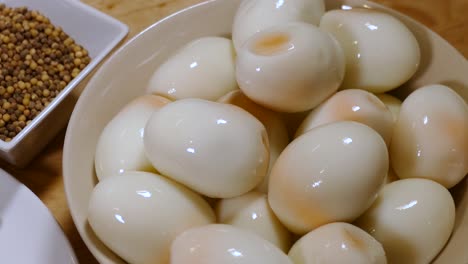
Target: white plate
[29, 233]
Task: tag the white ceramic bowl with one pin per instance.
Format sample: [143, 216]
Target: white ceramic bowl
[95, 31]
[125, 74]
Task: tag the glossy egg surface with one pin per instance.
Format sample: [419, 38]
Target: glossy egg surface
[332, 173]
[218, 150]
[138, 214]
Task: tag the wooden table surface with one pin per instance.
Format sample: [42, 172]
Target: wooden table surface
[44, 175]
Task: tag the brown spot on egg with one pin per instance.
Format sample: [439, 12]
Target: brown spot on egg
[271, 44]
[239, 99]
[455, 129]
[353, 240]
[150, 100]
[376, 101]
[346, 109]
[302, 213]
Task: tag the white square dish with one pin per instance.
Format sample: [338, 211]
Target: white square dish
[96, 32]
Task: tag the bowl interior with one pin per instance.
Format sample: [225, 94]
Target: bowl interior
[124, 76]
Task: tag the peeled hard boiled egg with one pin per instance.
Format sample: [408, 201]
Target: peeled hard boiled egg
[256, 15]
[275, 127]
[381, 52]
[290, 67]
[218, 150]
[138, 214]
[216, 244]
[337, 243]
[252, 212]
[120, 145]
[392, 103]
[430, 138]
[332, 173]
[207, 66]
[352, 105]
[412, 218]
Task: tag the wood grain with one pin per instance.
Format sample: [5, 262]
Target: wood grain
[44, 175]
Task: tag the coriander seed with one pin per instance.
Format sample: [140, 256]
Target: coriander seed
[37, 61]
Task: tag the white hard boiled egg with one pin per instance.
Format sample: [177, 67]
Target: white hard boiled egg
[430, 138]
[216, 244]
[252, 212]
[253, 16]
[218, 150]
[120, 145]
[203, 68]
[337, 243]
[392, 103]
[331, 173]
[381, 52]
[275, 127]
[290, 67]
[412, 218]
[352, 105]
[138, 214]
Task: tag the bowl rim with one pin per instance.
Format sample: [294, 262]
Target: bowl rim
[123, 31]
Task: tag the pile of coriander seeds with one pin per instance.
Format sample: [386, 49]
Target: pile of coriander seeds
[37, 61]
